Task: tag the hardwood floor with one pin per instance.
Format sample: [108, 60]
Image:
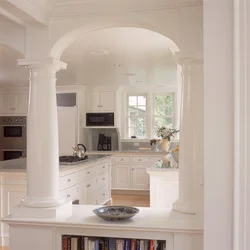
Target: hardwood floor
[123, 199]
[131, 200]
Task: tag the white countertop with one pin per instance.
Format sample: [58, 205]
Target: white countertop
[148, 219]
[131, 152]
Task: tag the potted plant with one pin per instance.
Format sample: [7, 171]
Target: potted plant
[166, 134]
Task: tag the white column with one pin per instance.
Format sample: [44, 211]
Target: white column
[42, 135]
[185, 203]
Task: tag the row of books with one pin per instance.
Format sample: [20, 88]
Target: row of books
[71, 242]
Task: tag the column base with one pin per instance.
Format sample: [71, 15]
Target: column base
[184, 207]
[42, 203]
[21, 211]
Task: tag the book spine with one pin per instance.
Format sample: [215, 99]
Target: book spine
[127, 244]
[137, 244]
[112, 243]
[69, 243]
[142, 244]
[101, 244]
[133, 244]
[119, 244]
[64, 243]
[146, 244]
[106, 244]
[151, 245]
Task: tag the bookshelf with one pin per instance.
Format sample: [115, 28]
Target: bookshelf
[76, 242]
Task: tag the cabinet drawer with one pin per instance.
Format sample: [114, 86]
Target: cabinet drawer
[70, 194]
[68, 180]
[102, 179]
[102, 194]
[86, 173]
[122, 159]
[102, 167]
[140, 159]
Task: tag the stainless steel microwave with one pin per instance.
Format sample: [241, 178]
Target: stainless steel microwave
[100, 119]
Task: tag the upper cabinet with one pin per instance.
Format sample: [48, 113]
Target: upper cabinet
[102, 101]
[14, 103]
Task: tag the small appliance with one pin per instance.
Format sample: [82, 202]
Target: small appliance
[100, 119]
[104, 143]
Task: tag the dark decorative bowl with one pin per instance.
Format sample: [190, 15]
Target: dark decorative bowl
[116, 212]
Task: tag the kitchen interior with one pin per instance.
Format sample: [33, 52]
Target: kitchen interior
[95, 116]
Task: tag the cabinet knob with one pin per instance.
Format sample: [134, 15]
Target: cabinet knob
[103, 178]
[88, 185]
[68, 180]
[88, 172]
[68, 195]
[133, 169]
[139, 160]
[103, 166]
[122, 160]
[103, 194]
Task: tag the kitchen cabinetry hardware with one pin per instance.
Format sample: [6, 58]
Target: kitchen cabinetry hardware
[103, 178]
[88, 172]
[68, 180]
[89, 185]
[68, 195]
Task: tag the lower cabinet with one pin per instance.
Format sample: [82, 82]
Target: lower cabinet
[87, 192]
[121, 176]
[139, 177]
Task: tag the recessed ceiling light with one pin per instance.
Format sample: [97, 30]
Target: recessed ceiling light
[130, 74]
[99, 52]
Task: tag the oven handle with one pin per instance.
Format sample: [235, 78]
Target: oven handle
[17, 125]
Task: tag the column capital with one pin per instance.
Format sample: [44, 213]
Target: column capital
[188, 59]
[44, 63]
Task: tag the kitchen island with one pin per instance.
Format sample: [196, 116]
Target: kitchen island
[87, 182]
[178, 231]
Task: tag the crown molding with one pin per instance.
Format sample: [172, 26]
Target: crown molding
[176, 7]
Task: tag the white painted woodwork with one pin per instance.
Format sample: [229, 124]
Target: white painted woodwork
[139, 176]
[180, 231]
[42, 122]
[102, 101]
[87, 190]
[164, 187]
[122, 176]
[14, 103]
[186, 200]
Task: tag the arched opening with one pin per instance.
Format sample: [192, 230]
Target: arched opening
[10, 73]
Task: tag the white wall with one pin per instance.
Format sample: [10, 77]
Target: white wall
[12, 34]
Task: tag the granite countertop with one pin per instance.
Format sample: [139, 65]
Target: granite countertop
[19, 165]
[112, 152]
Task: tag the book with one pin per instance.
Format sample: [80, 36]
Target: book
[133, 244]
[93, 243]
[151, 245]
[112, 243]
[127, 244]
[137, 244]
[142, 245]
[101, 244]
[75, 243]
[106, 243]
[65, 242]
[146, 244]
[119, 244]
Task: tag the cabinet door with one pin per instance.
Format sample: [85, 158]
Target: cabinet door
[121, 176]
[21, 103]
[107, 100]
[95, 101]
[87, 192]
[8, 103]
[140, 177]
[11, 196]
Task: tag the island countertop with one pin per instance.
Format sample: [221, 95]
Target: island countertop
[19, 165]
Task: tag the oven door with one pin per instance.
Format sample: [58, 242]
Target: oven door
[10, 154]
[16, 131]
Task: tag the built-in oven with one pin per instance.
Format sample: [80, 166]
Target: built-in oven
[100, 119]
[13, 137]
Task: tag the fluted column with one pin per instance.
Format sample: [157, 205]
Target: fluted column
[42, 134]
[186, 202]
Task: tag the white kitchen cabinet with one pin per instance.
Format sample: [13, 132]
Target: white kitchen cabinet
[14, 103]
[102, 101]
[87, 192]
[122, 176]
[139, 176]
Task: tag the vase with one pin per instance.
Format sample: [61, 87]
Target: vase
[165, 145]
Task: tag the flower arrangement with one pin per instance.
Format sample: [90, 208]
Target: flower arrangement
[176, 149]
[166, 133]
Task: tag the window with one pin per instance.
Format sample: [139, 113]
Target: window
[137, 113]
[163, 111]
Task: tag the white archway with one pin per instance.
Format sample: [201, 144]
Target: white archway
[64, 41]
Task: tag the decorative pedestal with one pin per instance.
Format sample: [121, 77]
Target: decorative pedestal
[164, 187]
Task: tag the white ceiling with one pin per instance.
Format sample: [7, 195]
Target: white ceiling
[135, 57]
[142, 54]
